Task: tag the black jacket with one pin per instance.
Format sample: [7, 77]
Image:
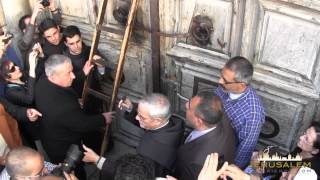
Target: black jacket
[78, 61]
[192, 155]
[18, 112]
[161, 145]
[63, 121]
[22, 95]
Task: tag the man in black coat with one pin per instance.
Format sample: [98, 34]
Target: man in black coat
[211, 134]
[63, 121]
[79, 53]
[162, 136]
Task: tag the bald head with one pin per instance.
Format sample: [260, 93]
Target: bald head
[23, 161]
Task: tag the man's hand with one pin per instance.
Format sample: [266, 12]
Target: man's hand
[52, 6]
[37, 47]
[209, 169]
[87, 68]
[38, 7]
[236, 173]
[108, 116]
[33, 57]
[89, 155]
[33, 114]
[69, 176]
[171, 178]
[125, 104]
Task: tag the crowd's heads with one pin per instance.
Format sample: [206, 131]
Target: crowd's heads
[9, 71]
[204, 110]
[24, 163]
[72, 39]
[24, 21]
[58, 69]
[310, 140]
[236, 74]
[134, 167]
[49, 29]
[153, 111]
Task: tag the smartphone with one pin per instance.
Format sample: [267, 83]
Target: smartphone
[100, 62]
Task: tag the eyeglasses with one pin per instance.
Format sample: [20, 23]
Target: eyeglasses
[229, 82]
[141, 117]
[12, 69]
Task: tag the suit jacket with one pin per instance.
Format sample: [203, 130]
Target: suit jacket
[63, 121]
[158, 145]
[192, 155]
[18, 112]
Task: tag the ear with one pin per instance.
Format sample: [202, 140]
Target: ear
[315, 151]
[198, 121]
[158, 120]
[7, 77]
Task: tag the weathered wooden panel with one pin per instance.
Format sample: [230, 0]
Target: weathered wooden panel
[287, 48]
[312, 4]
[225, 17]
[79, 11]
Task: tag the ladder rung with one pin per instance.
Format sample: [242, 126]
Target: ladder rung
[99, 95]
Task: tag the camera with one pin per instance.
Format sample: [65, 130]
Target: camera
[73, 157]
[9, 36]
[45, 3]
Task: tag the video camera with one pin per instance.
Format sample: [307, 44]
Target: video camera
[45, 3]
[73, 157]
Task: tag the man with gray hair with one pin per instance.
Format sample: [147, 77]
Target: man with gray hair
[63, 121]
[163, 133]
[242, 106]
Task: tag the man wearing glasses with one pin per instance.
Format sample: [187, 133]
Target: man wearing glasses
[161, 138]
[25, 163]
[242, 106]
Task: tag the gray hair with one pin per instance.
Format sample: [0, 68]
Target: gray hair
[209, 108]
[242, 68]
[16, 161]
[53, 62]
[158, 105]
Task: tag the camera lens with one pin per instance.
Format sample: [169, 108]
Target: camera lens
[45, 3]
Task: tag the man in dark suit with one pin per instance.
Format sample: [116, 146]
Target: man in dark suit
[211, 134]
[63, 121]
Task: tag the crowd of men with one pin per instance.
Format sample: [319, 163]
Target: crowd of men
[227, 121]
